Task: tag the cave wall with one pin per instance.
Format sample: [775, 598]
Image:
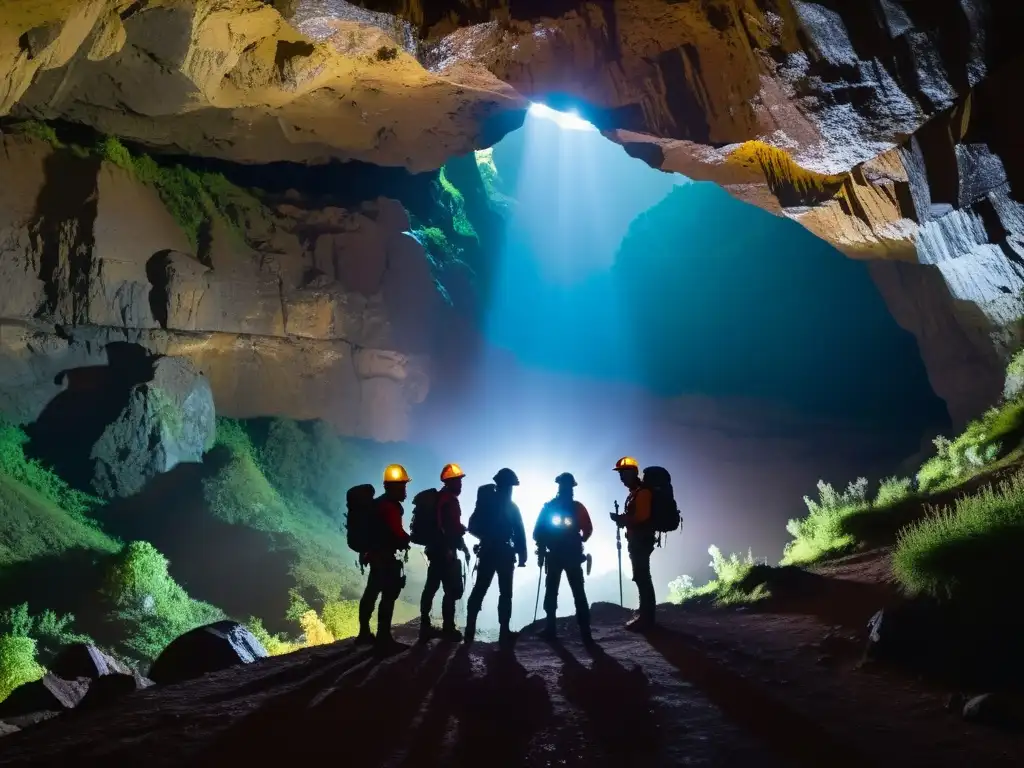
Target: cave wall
[319, 312]
[883, 126]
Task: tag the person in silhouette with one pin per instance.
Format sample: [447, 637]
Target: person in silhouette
[640, 538]
[497, 523]
[561, 530]
[443, 556]
[387, 575]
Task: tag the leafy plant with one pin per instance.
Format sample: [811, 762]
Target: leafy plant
[153, 607]
[821, 532]
[457, 206]
[18, 663]
[726, 587]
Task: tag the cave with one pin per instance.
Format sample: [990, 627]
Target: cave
[253, 252]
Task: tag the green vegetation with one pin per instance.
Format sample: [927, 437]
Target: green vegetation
[38, 130]
[291, 486]
[969, 551]
[727, 586]
[40, 514]
[977, 448]
[192, 198]
[26, 640]
[153, 607]
[821, 532]
[386, 53]
[18, 663]
[457, 205]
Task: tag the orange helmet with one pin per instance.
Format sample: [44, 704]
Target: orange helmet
[627, 462]
[395, 473]
[451, 472]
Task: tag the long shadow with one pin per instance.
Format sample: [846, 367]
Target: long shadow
[617, 701]
[356, 710]
[787, 732]
[498, 714]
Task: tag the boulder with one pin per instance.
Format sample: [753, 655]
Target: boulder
[111, 687]
[166, 421]
[85, 660]
[206, 649]
[48, 694]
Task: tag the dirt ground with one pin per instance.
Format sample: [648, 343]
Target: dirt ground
[782, 685]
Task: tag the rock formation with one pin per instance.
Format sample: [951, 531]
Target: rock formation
[880, 126]
[167, 420]
[311, 313]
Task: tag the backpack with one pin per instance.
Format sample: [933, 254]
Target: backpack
[560, 536]
[665, 515]
[482, 521]
[361, 518]
[424, 528]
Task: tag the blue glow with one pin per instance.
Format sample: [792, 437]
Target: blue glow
[556, 520]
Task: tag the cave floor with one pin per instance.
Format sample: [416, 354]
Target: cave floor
[708, 689]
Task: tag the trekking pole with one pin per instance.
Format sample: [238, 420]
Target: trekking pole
[540, 577]
[618, 547]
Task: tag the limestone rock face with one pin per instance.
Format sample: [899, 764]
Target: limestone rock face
[275, 317]
[881, 126]
[167, 420]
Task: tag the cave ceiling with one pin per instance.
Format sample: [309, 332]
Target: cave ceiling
[806, 109]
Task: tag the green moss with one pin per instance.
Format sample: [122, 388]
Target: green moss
[457, 206]
[192, 198]
[38, 130]
[40, 514]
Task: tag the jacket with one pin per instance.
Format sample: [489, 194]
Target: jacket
[637, 517]
[551, 538]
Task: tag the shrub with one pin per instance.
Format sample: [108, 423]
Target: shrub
[891, 491]
[725, 588]
[275, 645]
[969, 551]
[313, 630]
[17, 663]
[151, 605]
[979, 445]
[821, 532]
[49, 631]
[341, 617]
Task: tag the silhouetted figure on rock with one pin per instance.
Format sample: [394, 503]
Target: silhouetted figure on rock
[497, 523]
[386, 577]
[640, 537]
[562, 527]
[442, 551]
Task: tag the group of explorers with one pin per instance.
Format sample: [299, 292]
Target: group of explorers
[377, 534]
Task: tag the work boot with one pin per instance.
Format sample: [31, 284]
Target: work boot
[549, 632]
[470, 629]
[365, 637]
[428, 631]
[585, 636]
[388, 646]
[451, 634]
[506, 636]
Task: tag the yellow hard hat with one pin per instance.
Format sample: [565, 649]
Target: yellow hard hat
[626, 462]
[395, 473]
[451, 472]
